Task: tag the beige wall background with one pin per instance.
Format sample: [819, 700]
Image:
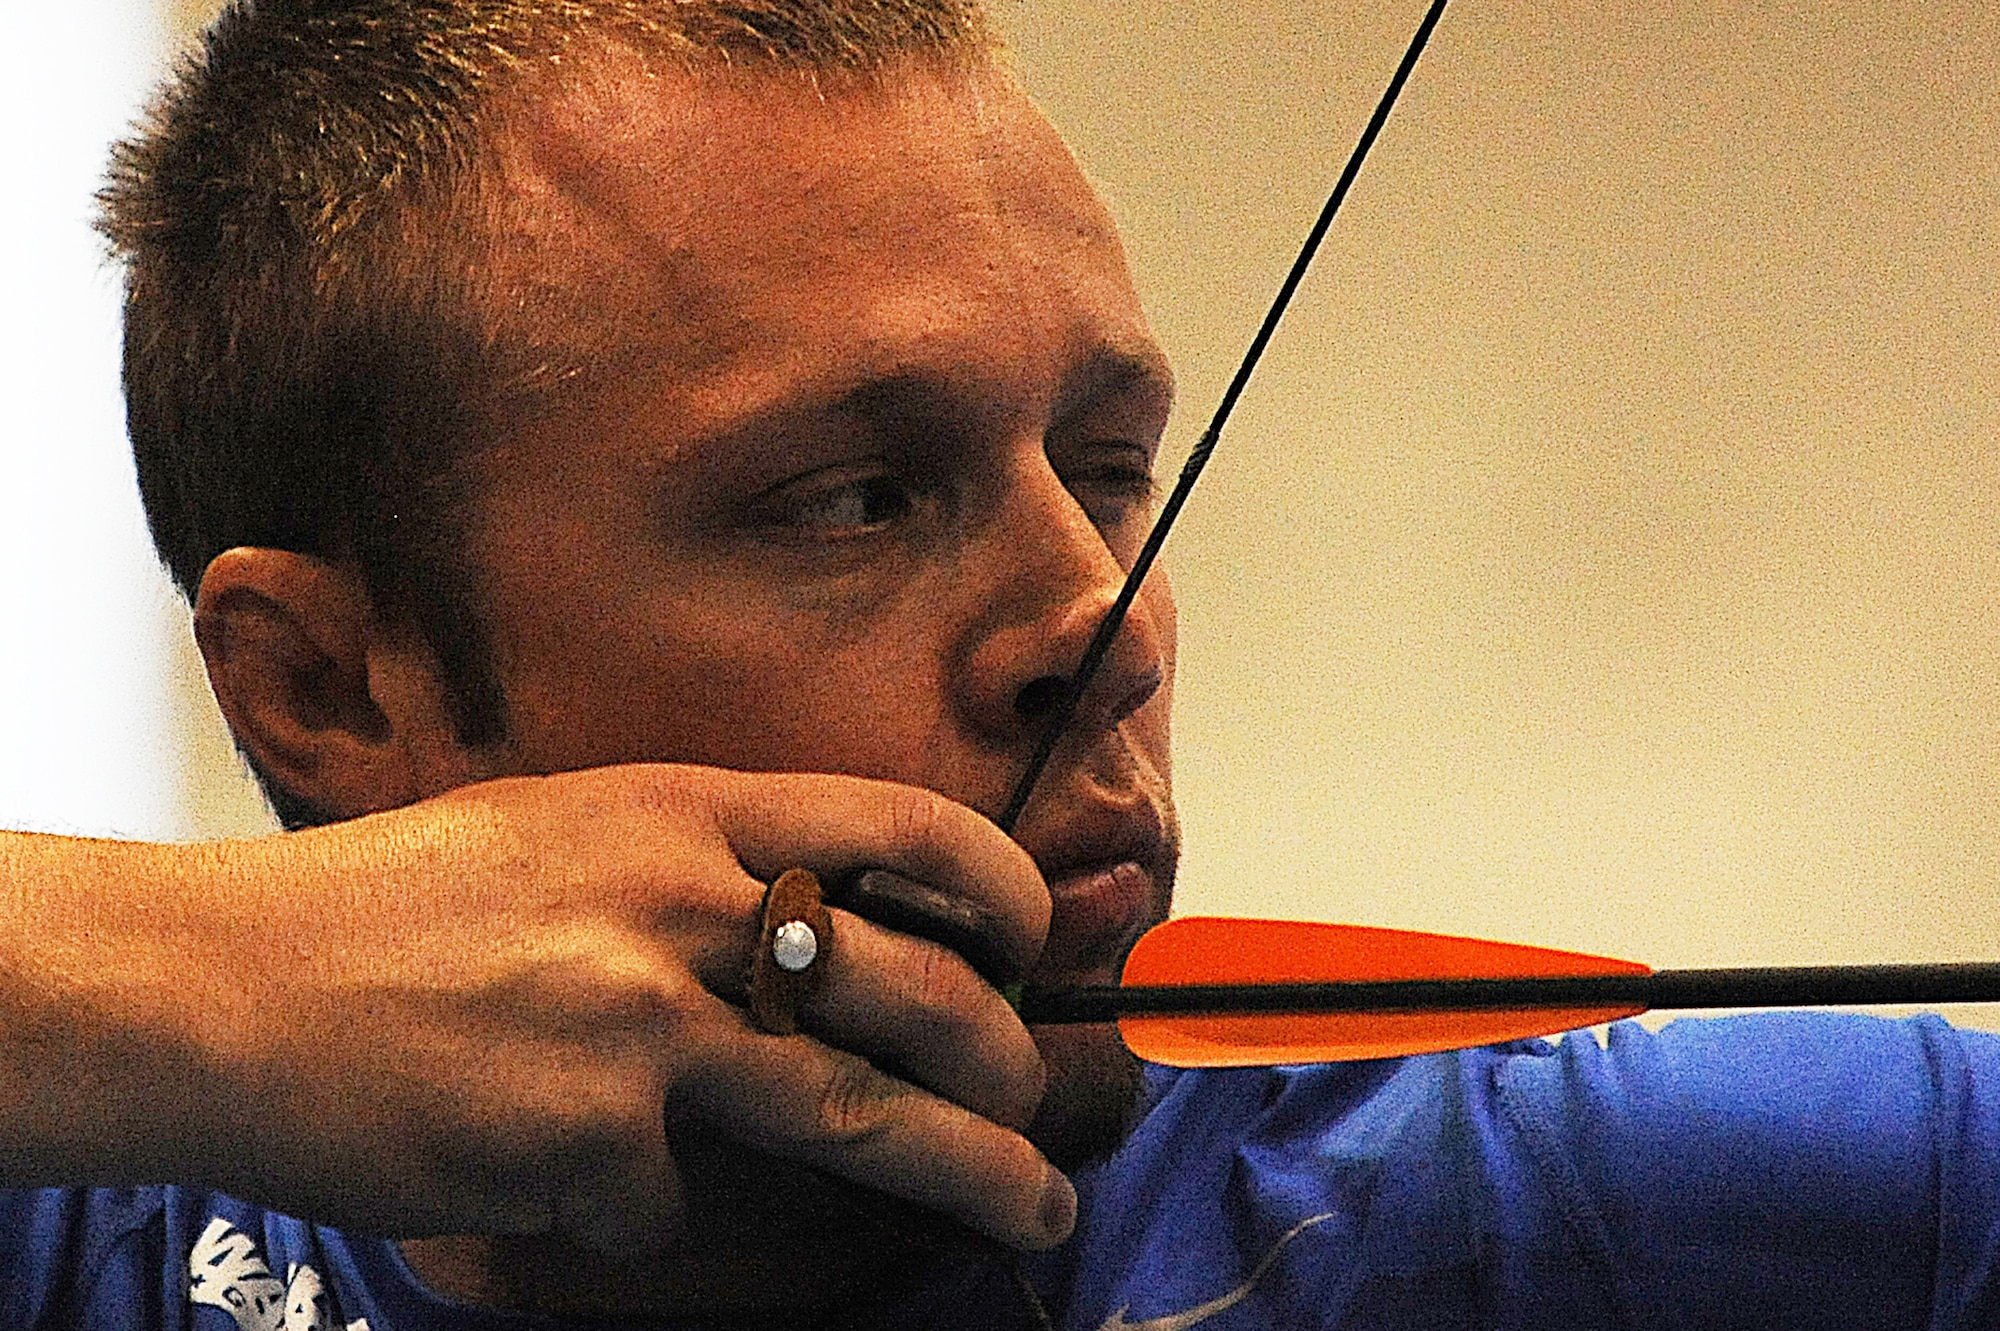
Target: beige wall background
[1606, 555]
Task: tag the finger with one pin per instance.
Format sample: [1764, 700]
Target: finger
[796, 1098]
[897, 902]
[914, 1008]
[833, 824]
[918, 1010]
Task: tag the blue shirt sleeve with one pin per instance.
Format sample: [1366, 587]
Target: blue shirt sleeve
[74, 1257]
[1796, 1169]
[1786, 1170]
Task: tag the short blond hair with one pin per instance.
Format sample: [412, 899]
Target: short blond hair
[304, 352]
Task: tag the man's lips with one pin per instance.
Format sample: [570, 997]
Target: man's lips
[1108, 864]
[1096, 912]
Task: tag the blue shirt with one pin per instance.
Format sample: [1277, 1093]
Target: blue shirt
[1795, 1170]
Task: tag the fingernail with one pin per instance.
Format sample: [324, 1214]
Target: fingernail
[1058, 1207]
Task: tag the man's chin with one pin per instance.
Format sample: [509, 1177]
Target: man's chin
[1094, 1092]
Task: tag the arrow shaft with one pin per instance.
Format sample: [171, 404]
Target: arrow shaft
[1107, 628]
[1753, 986]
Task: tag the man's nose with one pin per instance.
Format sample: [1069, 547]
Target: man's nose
[1056, 580]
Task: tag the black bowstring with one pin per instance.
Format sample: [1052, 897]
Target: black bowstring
[1099, 646]
[1114, 619]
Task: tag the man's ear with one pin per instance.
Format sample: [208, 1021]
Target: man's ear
[346, 711]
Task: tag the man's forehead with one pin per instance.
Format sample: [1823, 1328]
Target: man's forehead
[607, 124]
[684, 207]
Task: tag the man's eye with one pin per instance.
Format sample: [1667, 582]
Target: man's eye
[835, 509]
[1115, 493]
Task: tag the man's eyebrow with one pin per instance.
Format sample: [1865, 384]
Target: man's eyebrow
[1106, 371]
[897, 400]
[894, 396]
[891, 405]
[1114, 371]
[1107, 375]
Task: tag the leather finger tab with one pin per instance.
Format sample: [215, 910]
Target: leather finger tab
[775, 990]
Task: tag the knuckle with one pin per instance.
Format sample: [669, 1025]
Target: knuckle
[679, 799]
[940, 986]
[587, 1121]
[917, 815]
[602, 982]
[1028, 1083]
[615, 1117]
[856, 1100]
[947, 1004]
[952, 1010]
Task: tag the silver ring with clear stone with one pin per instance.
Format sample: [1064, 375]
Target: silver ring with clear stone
[794, 945]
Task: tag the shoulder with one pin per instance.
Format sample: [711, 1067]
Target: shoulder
[61, 1249]
[1779, 1161]
[1338, 1195]
[169, 1259]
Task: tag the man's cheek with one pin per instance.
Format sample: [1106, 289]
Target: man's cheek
[1094, 1092]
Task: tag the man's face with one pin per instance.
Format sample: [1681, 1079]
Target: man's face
[865, 449]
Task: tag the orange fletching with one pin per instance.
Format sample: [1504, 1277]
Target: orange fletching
[1211, 950]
